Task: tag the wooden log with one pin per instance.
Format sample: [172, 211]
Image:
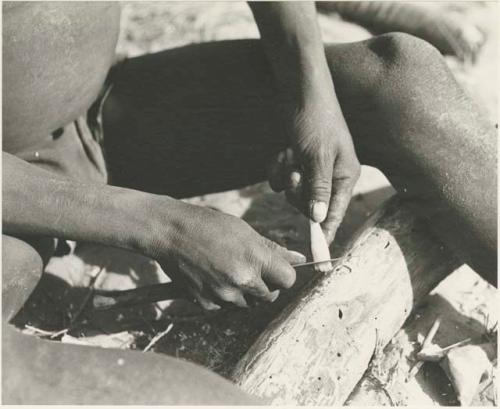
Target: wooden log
[318, 348]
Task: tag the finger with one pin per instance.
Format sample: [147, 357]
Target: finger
[191, 274]
[319, 185]
[276, 270]
[185, 275]
[296, 198]
[294, 190]
[205, 302]
[172, 270]
[277, 172]
[294, 181]
[260, 290]
[293, 257]
[231, 295]
[254, 301]
[342, 192]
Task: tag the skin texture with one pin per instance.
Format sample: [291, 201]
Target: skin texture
[67, 374]
[420, 130]
[170, 110]
[67, 75]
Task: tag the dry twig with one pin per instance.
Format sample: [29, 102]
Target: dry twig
[158, 336]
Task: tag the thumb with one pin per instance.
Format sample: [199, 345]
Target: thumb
[320, 171]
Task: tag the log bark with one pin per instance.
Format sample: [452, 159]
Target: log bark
[318, 348]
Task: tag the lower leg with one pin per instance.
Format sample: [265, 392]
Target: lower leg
[22, 266]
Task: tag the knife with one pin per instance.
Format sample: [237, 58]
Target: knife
[105, 300]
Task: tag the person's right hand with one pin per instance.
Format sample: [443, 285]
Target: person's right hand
[218, 256]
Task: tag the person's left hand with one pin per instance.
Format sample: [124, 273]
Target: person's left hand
[320, 169]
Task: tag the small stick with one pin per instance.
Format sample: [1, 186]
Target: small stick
[312, 263]
[158, 336]
[456, 344]
[427, 341]
[59, 333]
[38, 330]
[50, 334]
[432, 333]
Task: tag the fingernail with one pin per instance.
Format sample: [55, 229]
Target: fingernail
[274, 295]
[295, 178]
[208, 305]
[318, 211]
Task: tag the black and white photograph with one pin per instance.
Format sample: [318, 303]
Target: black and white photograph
[250, 203]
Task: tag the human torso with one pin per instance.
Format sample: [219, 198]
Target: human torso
[55, 58]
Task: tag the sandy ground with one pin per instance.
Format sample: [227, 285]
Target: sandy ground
[217, 341]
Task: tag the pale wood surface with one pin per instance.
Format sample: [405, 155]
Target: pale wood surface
[317, 349]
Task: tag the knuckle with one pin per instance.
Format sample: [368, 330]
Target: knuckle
[320, 181]
[356, 170]
[271, 245]
[334, 220]
[322, 160]
[245, 281]
[321, 190]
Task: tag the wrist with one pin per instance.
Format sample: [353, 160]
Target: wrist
[154, 222]
[306, 84]
[126, 226]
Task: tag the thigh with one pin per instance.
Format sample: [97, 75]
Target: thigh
[47, 372]
[22, 267]
[201, 118]
[192, 120]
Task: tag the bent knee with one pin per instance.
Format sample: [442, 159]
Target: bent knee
[390, 65]
[398, 48]
[22, 268]
[410, 71]
[408, 62]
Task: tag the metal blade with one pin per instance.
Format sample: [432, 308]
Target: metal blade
[312, 263]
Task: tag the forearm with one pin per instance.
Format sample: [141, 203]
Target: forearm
[39, 203]
[292, 40]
